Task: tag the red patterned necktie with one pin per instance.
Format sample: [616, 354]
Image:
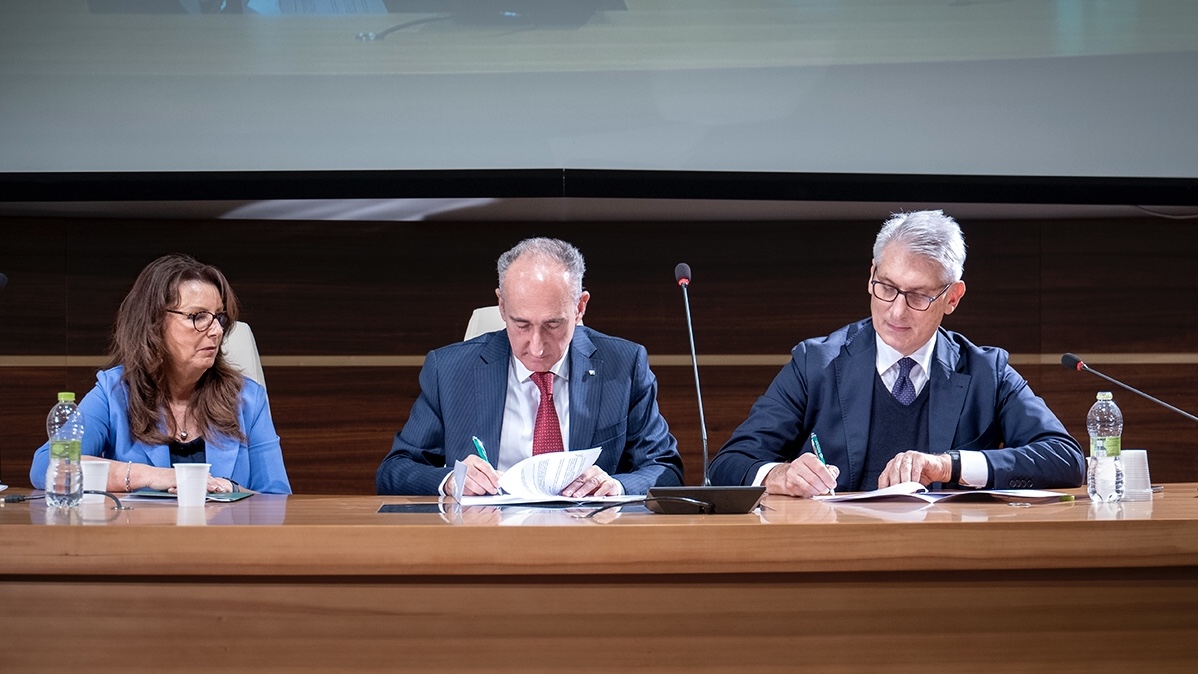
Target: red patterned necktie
[547, 433]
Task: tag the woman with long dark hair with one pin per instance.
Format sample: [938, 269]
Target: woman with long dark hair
[168, 396]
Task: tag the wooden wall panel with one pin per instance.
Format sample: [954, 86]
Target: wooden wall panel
[33, 304]
[337, 424]
[1122, 287]
[343, 289]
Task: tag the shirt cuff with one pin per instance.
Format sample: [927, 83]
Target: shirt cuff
[975, 471]
[762, 472]
[441, 487]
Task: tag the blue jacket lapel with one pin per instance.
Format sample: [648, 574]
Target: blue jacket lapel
[854, 384]
[490, 391]
[221, 452]
[585, 391]
[156, 455]
[947, 394]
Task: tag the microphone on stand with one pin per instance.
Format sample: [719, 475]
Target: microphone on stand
[1074, 363]
[686, 500]
[682, 274]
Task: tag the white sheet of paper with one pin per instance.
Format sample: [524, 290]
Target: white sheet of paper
[900, 489]
[916, 491]
[547, 474]
[541, 479]
[511, 499]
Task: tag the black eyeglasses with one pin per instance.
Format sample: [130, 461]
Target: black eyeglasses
[202, 320]
[917, 301]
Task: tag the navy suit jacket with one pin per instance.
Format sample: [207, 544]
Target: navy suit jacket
[976, 402]
[613, 405]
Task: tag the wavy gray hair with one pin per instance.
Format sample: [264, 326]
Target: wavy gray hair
[931, 234]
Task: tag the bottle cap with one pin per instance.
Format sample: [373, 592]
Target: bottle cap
[66, 397]
[1105, 395]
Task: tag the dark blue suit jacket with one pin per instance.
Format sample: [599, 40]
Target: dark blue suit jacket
[976, 402]
[462, 391]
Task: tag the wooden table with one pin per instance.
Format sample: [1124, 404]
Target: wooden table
[328, 583]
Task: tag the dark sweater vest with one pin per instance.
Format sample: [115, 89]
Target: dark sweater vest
[893, 428]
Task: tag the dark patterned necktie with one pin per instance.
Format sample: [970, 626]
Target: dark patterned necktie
[547, 432]
[904, 390]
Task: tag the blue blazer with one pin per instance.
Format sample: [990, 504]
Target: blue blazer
[976, 402]
[256, 464]
[613, 405]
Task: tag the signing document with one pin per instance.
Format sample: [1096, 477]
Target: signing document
[539, 479]
[916, 491]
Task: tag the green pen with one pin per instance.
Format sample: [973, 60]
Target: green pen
[819, 454]
[478, 447]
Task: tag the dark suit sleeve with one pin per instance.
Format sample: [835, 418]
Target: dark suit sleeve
[1037, 450]
[416, 463]
[771, 433]
[650, 456]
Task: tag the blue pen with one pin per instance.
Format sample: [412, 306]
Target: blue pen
[819, 454]
[478, 447]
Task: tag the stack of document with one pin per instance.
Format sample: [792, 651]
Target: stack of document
[916, 491]
[538, 479]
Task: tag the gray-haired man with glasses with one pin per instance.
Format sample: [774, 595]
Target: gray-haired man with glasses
[897, 398]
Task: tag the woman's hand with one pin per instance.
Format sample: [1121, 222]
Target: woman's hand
[161, 479]
[219, 485]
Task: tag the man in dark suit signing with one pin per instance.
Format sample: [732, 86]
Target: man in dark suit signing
[897, 398]
[545, 383]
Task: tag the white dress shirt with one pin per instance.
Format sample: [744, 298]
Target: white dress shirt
[520, 410]
[888, 363]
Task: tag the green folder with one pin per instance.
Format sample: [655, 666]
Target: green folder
[212, 496]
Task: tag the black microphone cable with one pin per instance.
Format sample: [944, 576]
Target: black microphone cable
[21, 498]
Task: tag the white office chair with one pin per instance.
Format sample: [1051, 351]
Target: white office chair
[484, 319]
[241, 351]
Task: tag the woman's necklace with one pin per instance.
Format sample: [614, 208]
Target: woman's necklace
[181, 426]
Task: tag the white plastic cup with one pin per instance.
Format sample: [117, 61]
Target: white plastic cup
[191, 484]
[1136, 510]
[191, 517]
[1137, 485]
[95, 478]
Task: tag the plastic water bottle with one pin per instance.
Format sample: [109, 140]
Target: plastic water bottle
[64, 475]
[1104, 470]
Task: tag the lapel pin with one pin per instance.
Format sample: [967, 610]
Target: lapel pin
[591, 372]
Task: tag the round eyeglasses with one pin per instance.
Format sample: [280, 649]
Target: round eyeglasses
[202, 320]
[917, 301]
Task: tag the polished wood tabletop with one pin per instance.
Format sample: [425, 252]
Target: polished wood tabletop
[325, 583]
[348, 535]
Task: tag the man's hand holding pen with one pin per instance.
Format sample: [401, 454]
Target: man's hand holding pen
[806, 476]
[481, 478]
